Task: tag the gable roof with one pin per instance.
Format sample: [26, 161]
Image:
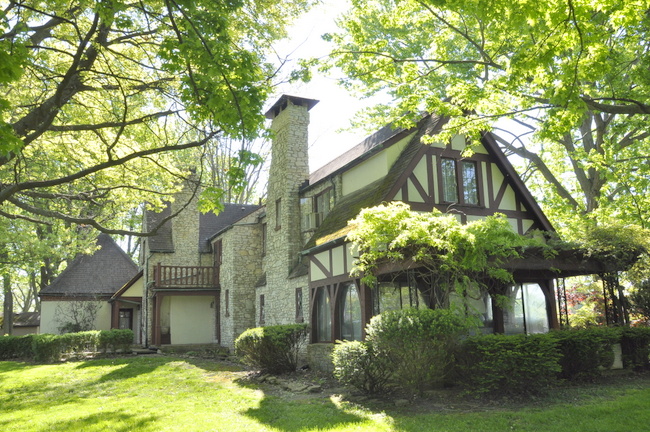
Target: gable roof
[335, 225]
[99, 274]
[348, 207]
[210, 225]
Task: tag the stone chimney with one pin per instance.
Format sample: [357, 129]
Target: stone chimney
[289, 170]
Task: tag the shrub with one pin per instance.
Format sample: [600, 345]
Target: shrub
[47, 348]
[585, 352]
[272, 349]
[509, 365]
[357, 364]
[74, 343]
[15, 347]
[635, 347]
[420, 344]
[115, 339]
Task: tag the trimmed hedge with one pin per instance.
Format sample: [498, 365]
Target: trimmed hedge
[635, 347]
[12, 347]
[46, 348]
[509, 365]
[585, 352]
[115, 340]
[272, 349]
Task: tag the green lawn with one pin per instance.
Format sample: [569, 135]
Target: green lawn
[153, 393]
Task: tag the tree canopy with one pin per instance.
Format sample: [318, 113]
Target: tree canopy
[96, 94]
[571, 74]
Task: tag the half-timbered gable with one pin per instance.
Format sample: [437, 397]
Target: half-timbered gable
[397, 166]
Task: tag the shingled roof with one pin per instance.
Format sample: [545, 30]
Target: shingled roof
[348, 207]
[100, 274]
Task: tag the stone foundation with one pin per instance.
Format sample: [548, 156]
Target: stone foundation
[319, 357]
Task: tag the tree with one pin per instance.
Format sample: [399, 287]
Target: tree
[101, 105]
[466, 259]
[97, 93]
[572, 74]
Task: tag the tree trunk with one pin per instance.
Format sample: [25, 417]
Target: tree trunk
[8, 308]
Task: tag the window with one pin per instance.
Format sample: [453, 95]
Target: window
[459, 173]
[278, 213]
[527, 312]
[323, 203]
[227, 301]
[299, 314]
[264, 239]
[323, 315]
[350, 312]
[395, 295]
[262, 311]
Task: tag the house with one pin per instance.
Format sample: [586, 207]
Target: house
[81, 294]
[24, 323]
[207, 278]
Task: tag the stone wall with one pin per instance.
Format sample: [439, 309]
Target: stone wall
[289, 170]
[241, 268]
[319, 357]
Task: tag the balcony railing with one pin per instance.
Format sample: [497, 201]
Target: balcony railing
[186, 277]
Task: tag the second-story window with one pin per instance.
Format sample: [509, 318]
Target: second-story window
[459, 181]
[323, 203]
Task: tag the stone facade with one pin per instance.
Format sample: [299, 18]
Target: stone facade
[240, 269]
[276, 300]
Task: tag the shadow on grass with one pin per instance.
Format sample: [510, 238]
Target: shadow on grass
[316, 414]
[11, 366]
[130, 367]
[115, 421]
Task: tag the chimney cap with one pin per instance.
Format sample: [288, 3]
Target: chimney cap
[281, 104]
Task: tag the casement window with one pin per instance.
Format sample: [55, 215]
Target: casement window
[323, 315]
[300, 317]
[323, 203]
[396, 295]
[459, 181]
[349, 308]
[262, 310]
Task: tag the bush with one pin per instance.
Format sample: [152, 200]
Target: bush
[585, 352]
[272, 349]
[75, 343]
[635, 347]
[115, 340]
[357, 364]
[47, 348]
[420, 344]
[15, 347]
[509, 365]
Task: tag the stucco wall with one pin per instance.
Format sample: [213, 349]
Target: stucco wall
[51, 316]
[192, 319]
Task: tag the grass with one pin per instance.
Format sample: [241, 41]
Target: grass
[155, 393]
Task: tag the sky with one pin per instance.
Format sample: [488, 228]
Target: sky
[336, 107]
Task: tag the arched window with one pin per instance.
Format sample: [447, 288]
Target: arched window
[323, 315]
[350, 312]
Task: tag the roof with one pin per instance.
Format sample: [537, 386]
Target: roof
[100, 274]
[348, 207]
[374, 143]
[27, 319]
[210, 225]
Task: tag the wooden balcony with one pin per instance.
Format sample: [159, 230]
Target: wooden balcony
[185, 277]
